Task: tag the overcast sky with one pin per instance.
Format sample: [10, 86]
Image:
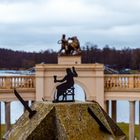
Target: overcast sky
[35, 25]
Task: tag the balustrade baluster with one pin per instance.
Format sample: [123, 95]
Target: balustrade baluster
[131, 82]
[108, 83]
[121, 80]
[135, 81]
[17, 81]
[13, 82]
[138, 82]
[126, 82]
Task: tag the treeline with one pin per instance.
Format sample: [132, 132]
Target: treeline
[117, 59]
[111, 57]
[10, 59]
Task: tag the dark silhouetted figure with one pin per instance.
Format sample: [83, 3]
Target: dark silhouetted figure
[68, 82]
[71, 46]
[64, 44]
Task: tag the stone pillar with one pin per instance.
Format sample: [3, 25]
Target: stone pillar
[139, 121]
[114, 111]
[0, 120]
[132, 120]
[107, 106]
[40, 82]
[99, 89]
[7, 115]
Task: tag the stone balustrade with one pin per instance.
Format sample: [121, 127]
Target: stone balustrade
[115, 81]
[121, 82]
[10, 82]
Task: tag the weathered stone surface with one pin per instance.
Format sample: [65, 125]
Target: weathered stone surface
[66, 121]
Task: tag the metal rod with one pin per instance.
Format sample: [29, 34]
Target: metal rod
[31, 112]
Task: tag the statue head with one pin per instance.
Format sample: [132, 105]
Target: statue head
[68, 70]
[63, 36]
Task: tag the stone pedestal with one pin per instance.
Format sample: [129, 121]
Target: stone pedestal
[69, 59]
[66, 121]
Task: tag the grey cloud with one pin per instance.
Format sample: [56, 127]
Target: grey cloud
[106, 22]
[18, 1]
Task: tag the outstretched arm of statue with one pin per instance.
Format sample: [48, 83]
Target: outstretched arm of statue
[55, 79]
[74, 72]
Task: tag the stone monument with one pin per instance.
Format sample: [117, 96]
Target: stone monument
[66, 121]
[69, 120]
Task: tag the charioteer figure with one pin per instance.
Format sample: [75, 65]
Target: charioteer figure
[64, 44]
[71, 46]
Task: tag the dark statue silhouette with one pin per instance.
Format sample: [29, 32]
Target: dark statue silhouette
[71, 46]
[68, 83]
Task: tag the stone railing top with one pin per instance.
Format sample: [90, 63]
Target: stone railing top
[10, 82]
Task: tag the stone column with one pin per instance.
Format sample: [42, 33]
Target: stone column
[107, 106]
[0, 120]
[114, 110]
[7, 115]
[139, 120]
[132, 120]
[99, 89]
[40, 82]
